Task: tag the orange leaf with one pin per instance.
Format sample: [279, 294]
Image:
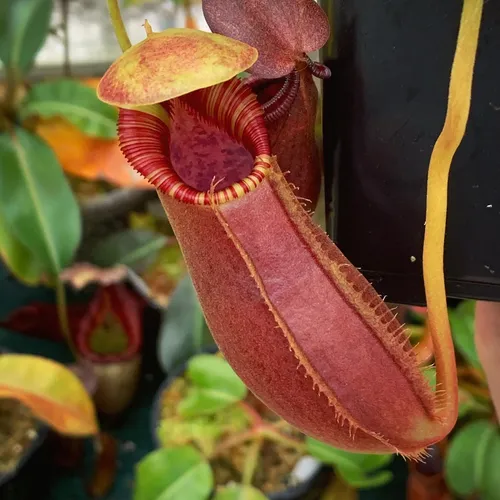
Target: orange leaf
[86, 157]
[51, 391]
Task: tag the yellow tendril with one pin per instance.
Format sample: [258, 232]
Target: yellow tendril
[437, 191]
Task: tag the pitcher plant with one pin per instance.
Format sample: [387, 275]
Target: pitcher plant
[304, 330]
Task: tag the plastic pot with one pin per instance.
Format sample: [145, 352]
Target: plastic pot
[315, 479]
[383, 109]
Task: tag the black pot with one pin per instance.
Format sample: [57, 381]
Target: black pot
[383, 110]
[307, 490]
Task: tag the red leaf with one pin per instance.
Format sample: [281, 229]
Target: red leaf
[281, 30]
[41, 320]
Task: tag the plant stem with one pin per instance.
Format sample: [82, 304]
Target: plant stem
[12, 83]
[124, 42]
[280, 424]
[62, 314]
[270, 433]
[118, 25]
[251, 460]
[65, 15]
[255, 418]
[233, 441]
[259, 431]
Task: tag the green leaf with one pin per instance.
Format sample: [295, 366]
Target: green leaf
[24, 26]
[135, 248]
[468, 404]
[75, 102]
[429, 372]
[490, 485]
[467, 456]
[359, 480]
[202, 432]
[36, 201]
[183, 332]
[212, 372]
[328, 454]
[4, 24]
[21, 262]
[173, 474]
[358, 469]
[462, 329]
[204, 402]
[239, 492]
[216, 386]
[370, 463]
[333, 456]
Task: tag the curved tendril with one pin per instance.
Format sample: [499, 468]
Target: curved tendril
[282, 101]
[318, 70]
[118, 25]
[437, 191]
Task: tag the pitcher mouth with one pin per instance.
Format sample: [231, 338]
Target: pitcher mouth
[181, 191]
[211, 146]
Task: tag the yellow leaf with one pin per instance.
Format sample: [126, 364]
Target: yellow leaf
[173, 63]
[51, 391]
